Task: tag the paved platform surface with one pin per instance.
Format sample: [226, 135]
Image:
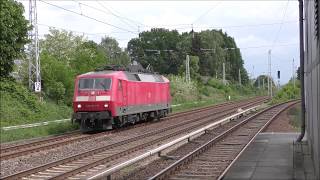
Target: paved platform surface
[273, 156]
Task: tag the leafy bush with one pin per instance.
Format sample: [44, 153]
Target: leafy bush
[287, 92]
[182, 91]
[215, 83]
[212, 89]
[20, 106]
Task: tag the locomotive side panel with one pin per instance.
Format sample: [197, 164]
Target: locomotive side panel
[144, 97]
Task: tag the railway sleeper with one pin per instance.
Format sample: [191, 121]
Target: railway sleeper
[167, 157]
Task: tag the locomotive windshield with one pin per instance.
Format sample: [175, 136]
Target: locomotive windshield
[94, 83]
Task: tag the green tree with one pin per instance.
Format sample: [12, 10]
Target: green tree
[58, 78]
[263, 79]
[194, 68]
[113, 52]
[13, 28]
[89, 56]
[166, 51]
[157, 47]
[61, 44]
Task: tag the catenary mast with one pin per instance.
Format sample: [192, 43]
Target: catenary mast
[34, 60]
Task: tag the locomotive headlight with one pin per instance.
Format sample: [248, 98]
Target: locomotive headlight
[79, 106]
[105, 105]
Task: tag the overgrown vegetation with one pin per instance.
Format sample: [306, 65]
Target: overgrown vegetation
[20, 106]
[295, 116]
[211, 90]
[287, 92]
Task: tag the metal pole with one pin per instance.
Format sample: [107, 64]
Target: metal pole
[239, 77]
[34, 60]
[252, 74]
[293, 78]
[303, 121]
[188, 78]
[223, 74]
[270, 79]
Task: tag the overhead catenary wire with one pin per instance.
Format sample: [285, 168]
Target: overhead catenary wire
[123, 19]
[80, 32]
[209, 10]
[187, 26]
[92, 18]
[116, 13]
[92, 7]
[267, 46]
[248, 25]
[238, 26]
[280, 27]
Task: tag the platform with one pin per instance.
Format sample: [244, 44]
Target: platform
[273, 156]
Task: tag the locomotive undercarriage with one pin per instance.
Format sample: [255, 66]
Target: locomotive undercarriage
[100, 121]
[93, 121]
[131, 119]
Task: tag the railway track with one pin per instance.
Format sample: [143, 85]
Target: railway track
[83, 164]
[212, 159]
[54, 142]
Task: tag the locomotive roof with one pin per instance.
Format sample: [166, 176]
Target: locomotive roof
[131, 76]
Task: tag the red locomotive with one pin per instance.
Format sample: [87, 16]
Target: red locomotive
[116, 97]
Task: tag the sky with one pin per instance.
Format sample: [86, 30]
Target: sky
[257, 26]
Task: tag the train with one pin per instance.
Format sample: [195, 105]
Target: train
[113, 97]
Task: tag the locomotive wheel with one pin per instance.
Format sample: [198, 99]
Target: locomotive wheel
[144, 117]
[134, 120]
[118, 122]
[158, 115]
[138, 118]
[164, 113]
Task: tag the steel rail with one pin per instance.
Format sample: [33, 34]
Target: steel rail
[149, 153]
[24, 149]
[92, 152]
[187, 158]
[252, 139]
[113, 157]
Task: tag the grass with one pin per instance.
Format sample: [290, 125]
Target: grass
[20, 106]
[41, 131]
[286, 93]
[295, 116]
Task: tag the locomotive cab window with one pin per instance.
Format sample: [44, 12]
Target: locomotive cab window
[94, 83]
